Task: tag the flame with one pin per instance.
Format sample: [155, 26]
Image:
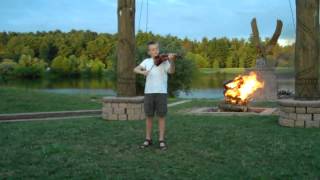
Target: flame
[241, 88]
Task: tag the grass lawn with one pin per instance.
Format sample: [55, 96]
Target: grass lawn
[200, 147]
[14, 100]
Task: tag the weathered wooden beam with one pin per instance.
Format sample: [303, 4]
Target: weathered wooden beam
[255, 33]
[307, 50]
[263, 51]
[273, 41]
[126, 81]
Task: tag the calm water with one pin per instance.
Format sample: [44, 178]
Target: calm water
[203, 86]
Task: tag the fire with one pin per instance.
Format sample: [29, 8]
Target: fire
[240, 89]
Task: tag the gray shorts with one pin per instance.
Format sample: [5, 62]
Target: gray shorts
[155, 103]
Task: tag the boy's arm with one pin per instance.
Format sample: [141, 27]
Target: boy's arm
[172, 67]
[140, 70]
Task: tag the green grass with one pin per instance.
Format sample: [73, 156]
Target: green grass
[200, 147]
[14, 100]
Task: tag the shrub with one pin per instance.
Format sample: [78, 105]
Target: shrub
[77, 66]
[96, 67]
[200, 61]
[7, 68]
[59, 65]
[29, 67]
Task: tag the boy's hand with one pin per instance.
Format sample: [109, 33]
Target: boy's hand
[171, 56]
[145, 72]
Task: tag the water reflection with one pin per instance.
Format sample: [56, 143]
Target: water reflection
[203, 86]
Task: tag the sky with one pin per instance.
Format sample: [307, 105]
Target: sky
[182, 18]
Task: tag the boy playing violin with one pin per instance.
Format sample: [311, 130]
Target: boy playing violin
[155, 98]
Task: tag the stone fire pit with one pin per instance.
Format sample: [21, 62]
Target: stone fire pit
[123, 108]
[234, 111]
[298, 113]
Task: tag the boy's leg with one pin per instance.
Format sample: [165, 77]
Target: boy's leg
[162, 125]
[148, 127]
[161, 109]
[149, 112]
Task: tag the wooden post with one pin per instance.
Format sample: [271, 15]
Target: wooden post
[126, 81]
[307, 50]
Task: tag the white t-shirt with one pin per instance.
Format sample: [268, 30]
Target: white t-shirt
[156, 80]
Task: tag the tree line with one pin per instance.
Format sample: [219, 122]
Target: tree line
[87, 53]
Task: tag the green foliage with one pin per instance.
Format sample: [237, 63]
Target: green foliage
[60, 65]
[7, 68]
[87, 53]
[96, 67]
[200, 61]
[29, 67]
[215, 52]
[182, 78]
[76, 66]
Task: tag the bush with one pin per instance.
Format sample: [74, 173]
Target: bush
[200, 61]
[74, 66]
[96, 67]
[66, 66]
[59, 65]
[182, 78]
[29, 67]
[7, 68]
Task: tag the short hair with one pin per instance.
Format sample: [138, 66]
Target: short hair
[152, 43]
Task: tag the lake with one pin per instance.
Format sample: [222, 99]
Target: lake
[205, 85]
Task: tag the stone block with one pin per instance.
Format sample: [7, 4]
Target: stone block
[107, 110]
[316, 117]
[284, 114]
[112, 117]
[137, 110]
[305, 117]
[130, 111]
[134, 106]
[312, 124]
[286, 122]
[115, 105]
[122, 117]
[313, 110]
[288, 109]
[123, 105]
[118, 110]
[299, 123]
[292, 116]
[301, 110]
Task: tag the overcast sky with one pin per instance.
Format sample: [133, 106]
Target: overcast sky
[183, 18]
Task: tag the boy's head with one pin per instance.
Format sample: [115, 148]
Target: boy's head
[153, 48]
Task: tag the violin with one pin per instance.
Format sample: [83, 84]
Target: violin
[164, 57]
